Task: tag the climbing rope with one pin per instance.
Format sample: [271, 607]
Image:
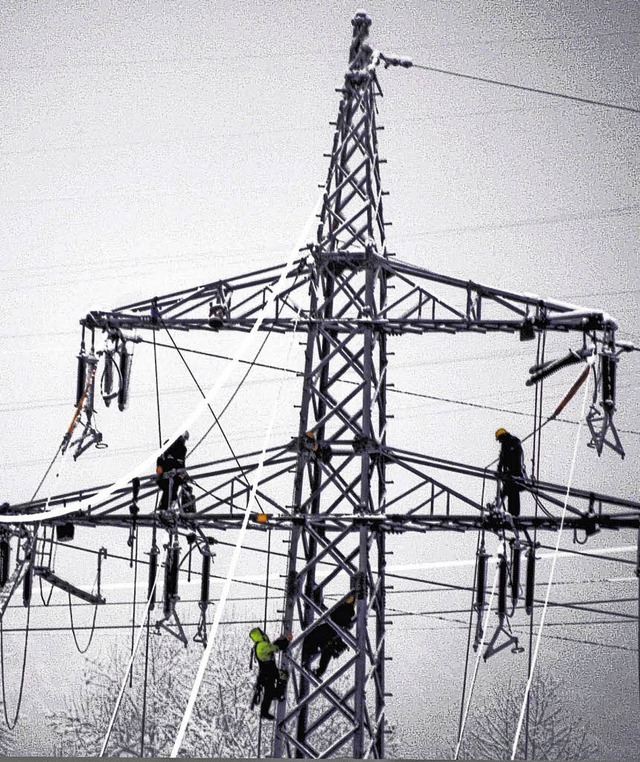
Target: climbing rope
[535, 474]
[143, 719]
[551, 574]
[479, 544]
[240, 540]
[11, 724]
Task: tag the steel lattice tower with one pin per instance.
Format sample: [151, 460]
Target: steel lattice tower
[348, 284]
[349, 296]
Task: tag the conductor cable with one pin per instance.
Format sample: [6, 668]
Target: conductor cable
[565, 96]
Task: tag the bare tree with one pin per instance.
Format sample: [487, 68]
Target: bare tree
[552, 733]
[222, 723]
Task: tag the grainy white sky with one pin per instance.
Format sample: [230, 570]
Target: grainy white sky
[147, 147]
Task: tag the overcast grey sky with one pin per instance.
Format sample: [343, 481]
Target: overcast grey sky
[152, 146]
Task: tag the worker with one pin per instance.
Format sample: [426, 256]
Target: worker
[271, 682]
[171, 470]
[324, 639]
[511, 470]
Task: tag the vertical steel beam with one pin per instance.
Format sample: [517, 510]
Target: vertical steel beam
[343, 710]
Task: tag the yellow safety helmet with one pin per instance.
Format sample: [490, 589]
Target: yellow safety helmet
[500, 432]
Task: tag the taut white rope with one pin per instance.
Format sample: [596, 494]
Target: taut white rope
[148, 465]
[238, 546]
[551, 573]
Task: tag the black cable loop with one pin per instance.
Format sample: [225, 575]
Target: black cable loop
[73, 630]
[11, 724]
[155, 366]
[50, 562]
[134, 558]
[109, 358]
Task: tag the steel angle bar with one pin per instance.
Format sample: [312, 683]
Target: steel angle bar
[330, 576]
[338, 743]
[346, 697]
[324, 689]
[339, 281]
[404, 298]
[353, 293]
[335, 476]
[330, 549]
[428, 479]
[410, 490]
[347, 225]
[348, 180]
[340, 347]
[336, 408]
[192, 303]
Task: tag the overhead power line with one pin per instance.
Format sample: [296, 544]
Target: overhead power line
[540, 91]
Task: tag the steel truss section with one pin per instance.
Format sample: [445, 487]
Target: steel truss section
[422, 500]
[349, 295]
[422, 301]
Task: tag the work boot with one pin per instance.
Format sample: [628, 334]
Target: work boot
[266, 716]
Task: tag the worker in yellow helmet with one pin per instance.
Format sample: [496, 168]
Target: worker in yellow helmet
[511, 470]
[325, 639]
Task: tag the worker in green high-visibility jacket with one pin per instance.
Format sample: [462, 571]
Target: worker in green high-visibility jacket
[271, 682]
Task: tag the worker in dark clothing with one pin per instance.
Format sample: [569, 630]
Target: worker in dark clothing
[272, 682]
[324, 639]
[171, 471]
[511, 470]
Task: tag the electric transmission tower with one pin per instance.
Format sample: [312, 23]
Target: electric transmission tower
[349, 297]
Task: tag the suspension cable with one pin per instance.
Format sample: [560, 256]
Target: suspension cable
[590, 101]
[264, 628]
[551, 573]
[535, 474]
[155, 367]
[143, 719]
[475, 669]
[251, 363]
[215, 417]
[129, 666]
[479, 544]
